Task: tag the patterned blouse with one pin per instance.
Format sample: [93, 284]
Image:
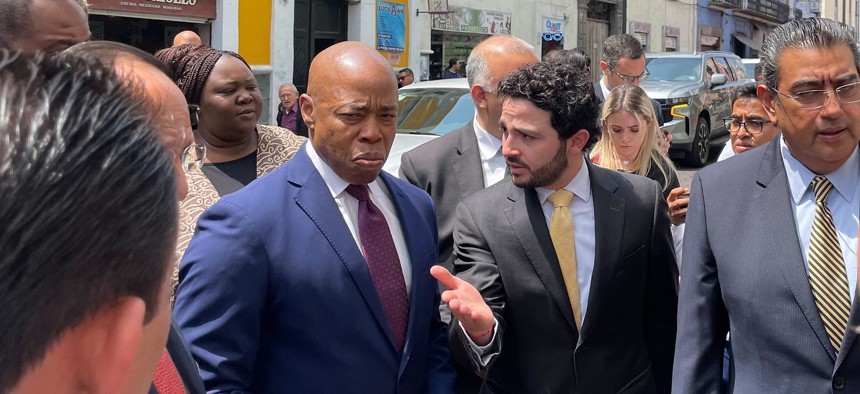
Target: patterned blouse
[275, 146]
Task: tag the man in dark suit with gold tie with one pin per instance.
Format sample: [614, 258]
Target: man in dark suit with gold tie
[566, 278]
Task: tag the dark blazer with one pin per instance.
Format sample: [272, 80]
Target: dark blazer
[275, 295]
[503, 247]
[185, 365]
[448, 168]
[658, 113]
[744, 271]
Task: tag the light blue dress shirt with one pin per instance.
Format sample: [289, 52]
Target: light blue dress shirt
[843, 200]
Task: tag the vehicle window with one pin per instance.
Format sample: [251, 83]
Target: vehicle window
[723, 68]
[710, 68]
[749, 68]
[674, 69]
[433, 111]
[738, 69]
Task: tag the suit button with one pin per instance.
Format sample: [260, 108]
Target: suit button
[839, 383]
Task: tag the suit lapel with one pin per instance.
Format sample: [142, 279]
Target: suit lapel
[315, 199]
[529, 225]
[467, 164]
[415, 236]
[608, 226]
[775, 196]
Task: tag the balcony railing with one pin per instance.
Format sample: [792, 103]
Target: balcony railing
[724, 4]
[770, 9]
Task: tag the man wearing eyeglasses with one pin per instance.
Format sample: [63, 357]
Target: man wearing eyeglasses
[769, 250]
[623, 62]
[749, 125]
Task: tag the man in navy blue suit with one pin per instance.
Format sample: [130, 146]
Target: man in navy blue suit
[315, 278]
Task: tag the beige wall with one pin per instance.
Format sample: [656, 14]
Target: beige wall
[660, 13]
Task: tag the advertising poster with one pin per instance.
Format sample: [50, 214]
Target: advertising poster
[392, 25]
[468, 20]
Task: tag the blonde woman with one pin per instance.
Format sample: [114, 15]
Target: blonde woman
[630, 142]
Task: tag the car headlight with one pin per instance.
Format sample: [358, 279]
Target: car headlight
[680, 111]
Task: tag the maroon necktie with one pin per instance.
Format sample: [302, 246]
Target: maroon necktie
[167, 379]
[382, 262]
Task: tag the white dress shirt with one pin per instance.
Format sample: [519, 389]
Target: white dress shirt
[348, 206]
[490, 148]
[605, 89]
[843, 202]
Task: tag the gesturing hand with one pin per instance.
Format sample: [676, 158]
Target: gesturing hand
[466, 305]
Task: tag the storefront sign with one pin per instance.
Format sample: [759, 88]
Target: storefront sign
[392, 31]
[204, 9]
[553, 29]
[469, 20]
[390, 27]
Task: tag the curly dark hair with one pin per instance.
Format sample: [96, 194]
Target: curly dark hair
[562, 89]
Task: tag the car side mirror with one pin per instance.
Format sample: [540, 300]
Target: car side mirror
[718, 79]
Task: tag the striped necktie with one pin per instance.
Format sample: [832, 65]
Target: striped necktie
[561, 232]
[827, 275]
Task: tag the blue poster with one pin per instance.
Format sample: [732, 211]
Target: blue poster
[390, 27]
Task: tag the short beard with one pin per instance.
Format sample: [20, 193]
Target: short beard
[548, 173]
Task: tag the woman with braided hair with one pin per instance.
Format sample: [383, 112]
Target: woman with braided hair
[238, 150]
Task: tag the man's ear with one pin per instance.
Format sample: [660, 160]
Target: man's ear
[576, 143]
[306, 107]
[769, 102]
[106, 344]
[479, 96]
[604, 67]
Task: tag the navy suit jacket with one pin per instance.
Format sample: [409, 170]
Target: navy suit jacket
[275, 295]
[744, 272]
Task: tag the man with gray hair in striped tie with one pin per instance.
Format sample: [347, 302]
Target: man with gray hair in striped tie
[769, 250]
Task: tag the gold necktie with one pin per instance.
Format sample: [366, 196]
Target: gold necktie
[561, 232]
[827, 274]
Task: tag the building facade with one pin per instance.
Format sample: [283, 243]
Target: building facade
[739, 26]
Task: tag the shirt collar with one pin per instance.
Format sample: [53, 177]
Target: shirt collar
[336, 185]
[844, 179]
[488, 144]
[580, 185]
[605, 89]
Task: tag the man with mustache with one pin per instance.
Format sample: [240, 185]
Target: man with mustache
[315, 278]
[575, 262]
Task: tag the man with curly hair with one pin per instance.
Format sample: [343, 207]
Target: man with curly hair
[566, 278]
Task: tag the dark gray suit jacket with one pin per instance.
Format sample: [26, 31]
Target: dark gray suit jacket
[744, 271]
[448, 168]
[658, 113]
[503, 247]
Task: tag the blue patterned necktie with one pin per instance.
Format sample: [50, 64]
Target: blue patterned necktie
[382, 262]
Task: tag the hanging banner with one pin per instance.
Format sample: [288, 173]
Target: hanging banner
[392, 31]
[203, 9]
[468, 20]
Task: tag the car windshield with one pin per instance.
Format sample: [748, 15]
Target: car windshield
[750, 68]
[674, 69]
[433, 110]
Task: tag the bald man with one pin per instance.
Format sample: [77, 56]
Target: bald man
[316, 278]
[187, 37]
[42, 25]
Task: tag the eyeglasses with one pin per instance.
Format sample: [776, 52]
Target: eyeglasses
[192, 157]
[753, 126]
[194, 113]
[630, 78]
[815, 99]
